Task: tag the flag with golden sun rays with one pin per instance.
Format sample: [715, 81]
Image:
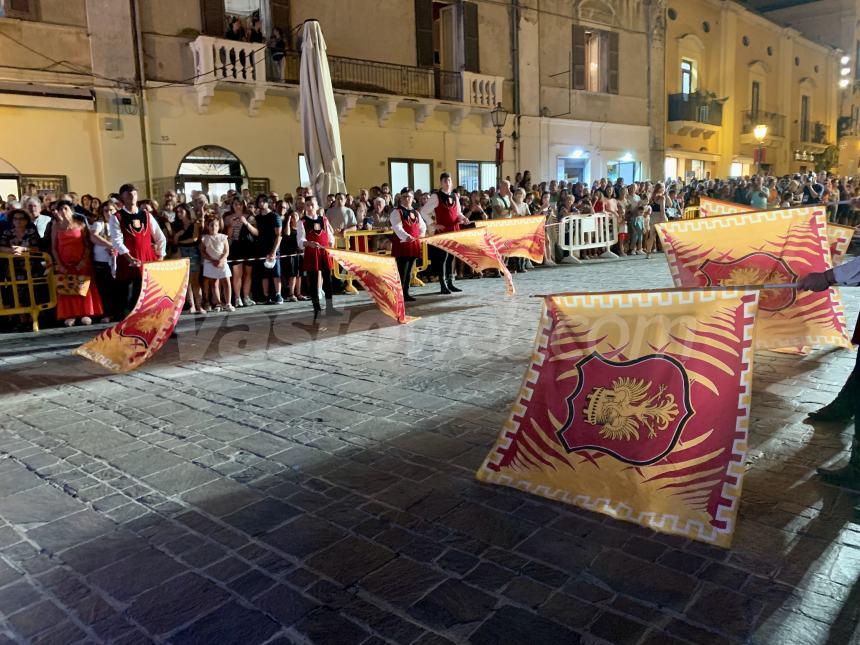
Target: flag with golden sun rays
[130, 343]
[519, 237]
[636, 405]
[763, 247]
[708, 207]
[477, 248]
[379, 276]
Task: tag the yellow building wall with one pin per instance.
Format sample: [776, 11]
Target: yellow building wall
[54, 142]
[269, 143]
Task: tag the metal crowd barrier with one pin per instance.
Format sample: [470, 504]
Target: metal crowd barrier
[691, 212]
[370, 242]
[583, 232]
[27, 285]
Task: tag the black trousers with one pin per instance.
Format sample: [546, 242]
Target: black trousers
[443, 263]
[126, 294]
[405, 267]
[314, 288]
[105, 284]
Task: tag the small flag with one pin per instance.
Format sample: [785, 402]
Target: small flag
[379, 276]
[475, 247]
[519, 237]
[130, 343]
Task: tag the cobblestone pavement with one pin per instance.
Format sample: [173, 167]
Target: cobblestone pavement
[259, 483]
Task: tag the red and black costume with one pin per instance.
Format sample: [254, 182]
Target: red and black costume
[447, 216]
[406, 251]
[316, 261]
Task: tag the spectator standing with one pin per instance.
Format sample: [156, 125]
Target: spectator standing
[341, 217]
[291, 258]
[103, 258]
[269, 225]
[72, 250]
[241, 229]
[501, 202]
[215, 248]
[187, 240]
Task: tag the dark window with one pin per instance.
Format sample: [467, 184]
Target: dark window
[706, 26]
[213, 18]
[471, 54]
[797, 61]
[673, 15]
[595, 60]
[754, 99]
[280, 12]
[24, 9]
[424, 32]
[804, 118]
[746, 41]
[769, 50]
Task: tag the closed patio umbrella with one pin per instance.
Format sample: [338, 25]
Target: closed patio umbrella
[320, 128]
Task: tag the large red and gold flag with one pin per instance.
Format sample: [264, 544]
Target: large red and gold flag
[520, 237]
[475, 247]
[130, 343]
[636, 405]
[379, 276]
[839, 239]
[763, 247]
[708, 207]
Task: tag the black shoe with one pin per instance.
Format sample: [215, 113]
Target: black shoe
[834, 411]
[444, 289]
[845, 477]
[408, 298]
[317, 311]
[330, 310]
[453, 289]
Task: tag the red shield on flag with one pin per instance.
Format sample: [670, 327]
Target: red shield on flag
[632, 410]
[754, 268]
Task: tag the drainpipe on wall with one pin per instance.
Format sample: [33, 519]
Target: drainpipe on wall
[515, 61]
[141, 94]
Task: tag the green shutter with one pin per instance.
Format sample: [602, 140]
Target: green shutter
[613, 62]
[472, 60]
[424, 33]
[213, 18]
[577, 72]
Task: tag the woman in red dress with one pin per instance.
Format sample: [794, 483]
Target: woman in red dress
[72, 250]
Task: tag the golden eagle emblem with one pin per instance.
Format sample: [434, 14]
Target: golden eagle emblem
[627, 406]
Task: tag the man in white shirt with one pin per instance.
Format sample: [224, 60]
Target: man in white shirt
[501, 202]
[848, 401]
[442, 214]
[137, 239]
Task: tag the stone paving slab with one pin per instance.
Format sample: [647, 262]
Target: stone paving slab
[263, 481]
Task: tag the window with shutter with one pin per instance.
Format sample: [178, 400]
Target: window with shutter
[578, 58]
[472, 61]
[213, 18]
[612, 37]
[424, 32]
[23, 9]
[280, 12]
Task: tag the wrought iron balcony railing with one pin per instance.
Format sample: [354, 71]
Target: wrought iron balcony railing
[775, 122]
[695, 107]
[812, 132]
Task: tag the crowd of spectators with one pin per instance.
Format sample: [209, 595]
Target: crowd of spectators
[244, 249]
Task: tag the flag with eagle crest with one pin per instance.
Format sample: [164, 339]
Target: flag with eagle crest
[520, 237]
[636, 405]
[763, 247]
[130, 343]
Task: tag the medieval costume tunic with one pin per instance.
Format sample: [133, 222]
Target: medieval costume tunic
[135, 235]
[443, 211]
[407, 223]
[317, 262]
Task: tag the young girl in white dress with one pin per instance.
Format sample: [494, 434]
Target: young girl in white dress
[214, 248]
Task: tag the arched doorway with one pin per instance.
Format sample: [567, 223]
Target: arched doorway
[212, 170]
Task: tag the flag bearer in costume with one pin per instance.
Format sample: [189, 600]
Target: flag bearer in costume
[442, 214]
[848, 476]
[137, 239]
[314, 235]
[409, 227]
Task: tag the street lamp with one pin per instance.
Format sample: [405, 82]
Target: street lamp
[760, 132]
[499, 115]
